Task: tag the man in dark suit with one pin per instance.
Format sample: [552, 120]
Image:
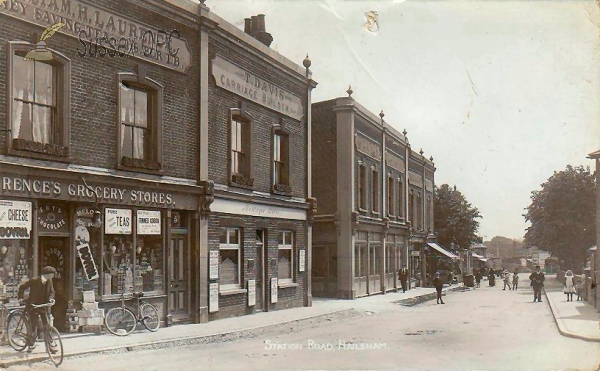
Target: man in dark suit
[537, 282]
[438, 284]
[41, 291]
[403, 276]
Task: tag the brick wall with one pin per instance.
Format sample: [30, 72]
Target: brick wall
[324, 157]
[94, 116]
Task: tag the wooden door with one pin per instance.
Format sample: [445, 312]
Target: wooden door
[178, 278]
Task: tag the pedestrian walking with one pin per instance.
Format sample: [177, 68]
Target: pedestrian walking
[506, 278]
[403, 276]
[580, 287]
[437, 282]
[569, 285]
[491, 278]
[515, 280]
[478, 278]
[537, 282]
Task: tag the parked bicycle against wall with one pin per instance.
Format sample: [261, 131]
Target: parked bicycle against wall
[122, 321]
[20, 333]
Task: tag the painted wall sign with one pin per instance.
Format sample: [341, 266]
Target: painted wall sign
[52, 218]
[302, 260]
[274, 290]
[117, 221]
[148, 222]
[213, 269]
[367, 146]
[395, 162]
[251, 293]
[53, 256]
[90, 23]
[241, 82]
[213, 297]
[254, 209]
[55, 189]
[15, 219]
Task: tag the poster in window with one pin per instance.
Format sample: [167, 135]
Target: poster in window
[213, 259]
[82, 238]
[302, 260]
[251, 293]
[117, 221]
[15, 219]
[148, 222]
[274, 290]
[213, 297]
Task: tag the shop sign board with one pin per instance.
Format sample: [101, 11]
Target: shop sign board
[302, 260]
[15, 219]
[247, 85]
[148, 222]
[213, 297]
[117, 221]
[213, 271]
[274, 289]
[52, 218]
[82, 239]
[251, 293]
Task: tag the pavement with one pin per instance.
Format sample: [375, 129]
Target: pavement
[228, 329]
[575, 319]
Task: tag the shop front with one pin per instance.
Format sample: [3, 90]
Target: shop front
[106, 235]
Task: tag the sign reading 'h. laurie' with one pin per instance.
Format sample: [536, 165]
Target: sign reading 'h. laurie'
[243, 83]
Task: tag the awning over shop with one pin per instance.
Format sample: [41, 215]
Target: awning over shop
[442, 250]
[475, 255]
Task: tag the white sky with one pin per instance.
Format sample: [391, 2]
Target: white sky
[532, 109]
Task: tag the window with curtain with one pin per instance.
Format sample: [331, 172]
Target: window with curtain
[230, 258]
[35, 100]
[375, 191]
[135, 129]
[285, 266]
[400, 208]
[280, 159]
[362, 185]
[390, 196]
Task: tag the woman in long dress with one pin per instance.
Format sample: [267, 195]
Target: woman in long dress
[569, 285]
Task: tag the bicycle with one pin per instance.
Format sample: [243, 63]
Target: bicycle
[20, 333]
[121, 321]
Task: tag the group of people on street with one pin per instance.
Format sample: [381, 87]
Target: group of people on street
[515, 279]
[572, 286]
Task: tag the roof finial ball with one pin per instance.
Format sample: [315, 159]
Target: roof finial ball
[404, 132]
[421, 152]
[349, 91]
[431, 158]
[306, 62]
[381, 114]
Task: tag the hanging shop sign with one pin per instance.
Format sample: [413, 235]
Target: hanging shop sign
[52, 218]
[82, 241]
[148, 222]
[213, 297]
[116, 35]
[15, 219]
[241, 82]
[251, 293]
[117, 221]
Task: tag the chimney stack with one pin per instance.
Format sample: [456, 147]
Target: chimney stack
[255, 27]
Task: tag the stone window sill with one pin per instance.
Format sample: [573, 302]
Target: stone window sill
[227, 292]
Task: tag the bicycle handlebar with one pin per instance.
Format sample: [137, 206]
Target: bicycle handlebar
[42, 305]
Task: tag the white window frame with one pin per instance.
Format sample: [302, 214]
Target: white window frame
[232, 246]
[286, 246]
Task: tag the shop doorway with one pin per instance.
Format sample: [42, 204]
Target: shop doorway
[54, 251]
[178, 278]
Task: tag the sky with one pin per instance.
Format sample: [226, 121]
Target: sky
[500, 93]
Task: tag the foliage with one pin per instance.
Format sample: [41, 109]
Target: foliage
[455, 219]
[563, 216]
[504, 247]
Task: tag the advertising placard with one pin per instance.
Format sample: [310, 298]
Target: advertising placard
[148, 222]
[302, 260]
[213, 297]
[251, 293]
[15, 219]
[117, 221]
[213, 269]
[274, 290]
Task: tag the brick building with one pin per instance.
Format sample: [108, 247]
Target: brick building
[105, 153]
[375, 202]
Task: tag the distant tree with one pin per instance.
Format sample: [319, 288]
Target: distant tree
[562, 216]
[504, 247]
[455, 219]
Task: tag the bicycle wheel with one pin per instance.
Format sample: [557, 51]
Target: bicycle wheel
[120, 321]
[18, 330]
[54, 346]
[150, 317]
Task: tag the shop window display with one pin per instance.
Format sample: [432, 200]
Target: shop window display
[16, 265]
[149, 264]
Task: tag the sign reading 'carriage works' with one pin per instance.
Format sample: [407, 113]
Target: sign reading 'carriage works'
[241, 82]
[87, 22]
